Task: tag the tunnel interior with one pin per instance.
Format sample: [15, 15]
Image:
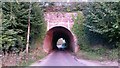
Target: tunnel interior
[55, 33]
[60, 34]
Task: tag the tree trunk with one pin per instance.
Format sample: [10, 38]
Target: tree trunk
[28, 33]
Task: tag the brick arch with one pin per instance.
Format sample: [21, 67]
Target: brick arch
[54, 34]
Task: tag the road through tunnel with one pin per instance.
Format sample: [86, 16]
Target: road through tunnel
[55, 33]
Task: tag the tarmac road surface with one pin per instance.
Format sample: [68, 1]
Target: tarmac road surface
[62, 58]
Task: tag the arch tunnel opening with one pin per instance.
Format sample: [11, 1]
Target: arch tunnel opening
[55, 33]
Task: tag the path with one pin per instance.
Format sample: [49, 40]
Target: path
[63, 58]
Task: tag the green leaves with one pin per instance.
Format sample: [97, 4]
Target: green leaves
[15, 22]
[78, 29]
[103, 18]
[100, 19]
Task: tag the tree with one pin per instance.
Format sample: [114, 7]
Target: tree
[0, 27]
[15, 21]
[103, 18]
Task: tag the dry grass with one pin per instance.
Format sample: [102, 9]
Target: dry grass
[22, 60]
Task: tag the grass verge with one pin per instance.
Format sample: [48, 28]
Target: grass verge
[33, 57]
[104, 55]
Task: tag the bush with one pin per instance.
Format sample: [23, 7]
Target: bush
[79, 30]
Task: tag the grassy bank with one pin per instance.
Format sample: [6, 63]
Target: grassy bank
[22, 60]
[99, 55]
[34, 56]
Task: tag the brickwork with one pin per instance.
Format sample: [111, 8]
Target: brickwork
[64, 19]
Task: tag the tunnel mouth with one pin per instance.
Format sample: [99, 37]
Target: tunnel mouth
[56, 36]
[55, 33]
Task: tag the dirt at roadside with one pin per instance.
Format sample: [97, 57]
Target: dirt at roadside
[0, 60]
[102, 61]
[15, 60]
[105, 63]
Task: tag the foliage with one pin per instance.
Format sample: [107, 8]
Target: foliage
[99, 20]
[103, 18]
[0, 26]
[74, 6]
[15, 21]
[79, 30]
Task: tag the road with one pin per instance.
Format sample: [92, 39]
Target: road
[62, 58]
